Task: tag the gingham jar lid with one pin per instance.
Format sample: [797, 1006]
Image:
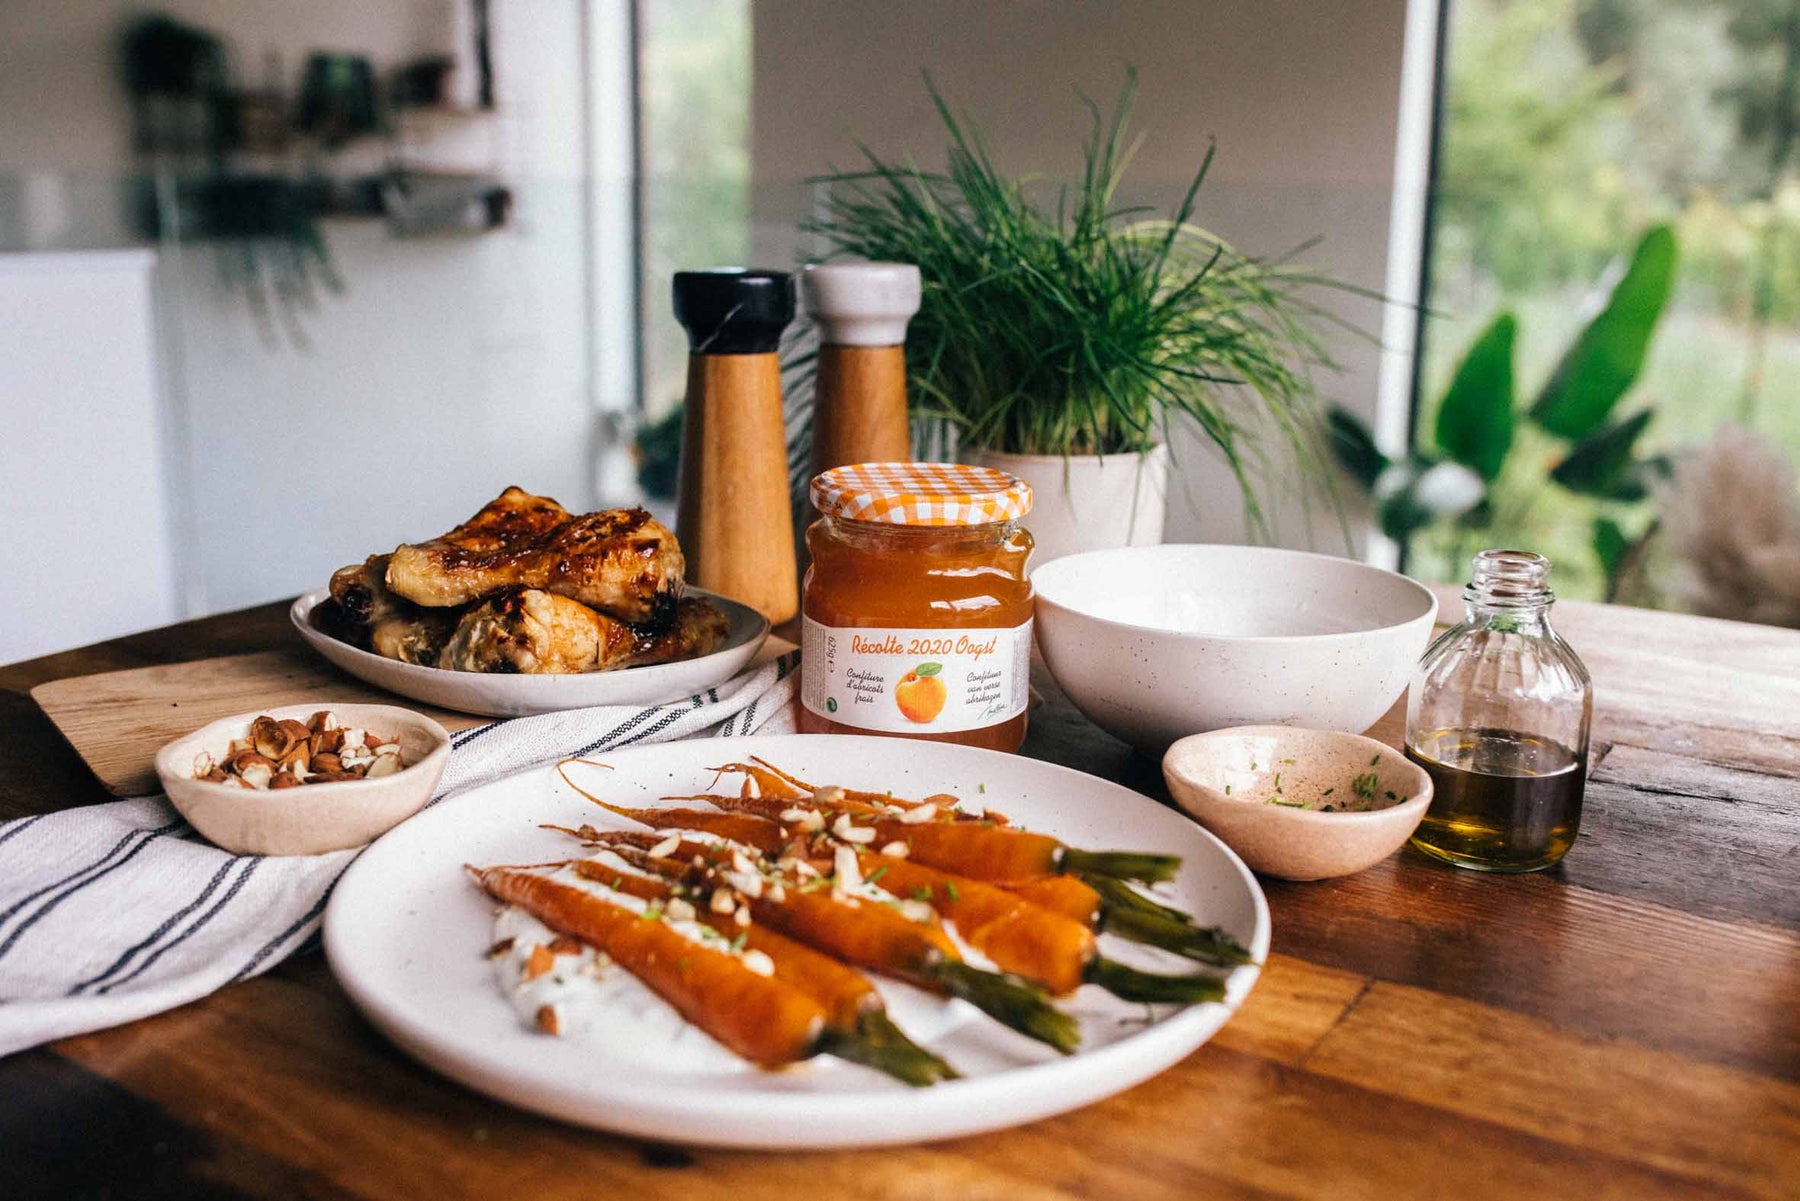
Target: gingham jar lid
[925, 494]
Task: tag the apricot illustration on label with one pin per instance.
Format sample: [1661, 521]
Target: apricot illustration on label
[921, 694]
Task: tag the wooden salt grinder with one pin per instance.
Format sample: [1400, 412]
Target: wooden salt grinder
[732, 510]
[859, 397]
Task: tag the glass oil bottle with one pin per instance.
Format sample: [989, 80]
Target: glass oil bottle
[1498, 716]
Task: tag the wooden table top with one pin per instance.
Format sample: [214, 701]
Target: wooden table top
[1627, 1024]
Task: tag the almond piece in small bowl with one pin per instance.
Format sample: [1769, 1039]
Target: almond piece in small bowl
[304, 779]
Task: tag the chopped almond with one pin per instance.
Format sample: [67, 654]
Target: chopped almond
[541, 961]
[547, 1020]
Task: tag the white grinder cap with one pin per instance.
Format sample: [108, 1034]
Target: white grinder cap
[861, 304]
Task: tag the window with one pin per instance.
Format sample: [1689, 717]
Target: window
[1569, 129]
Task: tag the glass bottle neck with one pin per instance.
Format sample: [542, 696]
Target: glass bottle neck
[1509, 588]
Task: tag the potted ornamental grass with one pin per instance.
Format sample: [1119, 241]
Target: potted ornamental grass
[1064, 334]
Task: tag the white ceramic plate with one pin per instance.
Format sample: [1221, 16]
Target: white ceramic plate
[406, 934]
[494, 695]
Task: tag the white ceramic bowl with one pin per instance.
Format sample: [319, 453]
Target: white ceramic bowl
[313, 818]
[1263, 791]
[1157, 642]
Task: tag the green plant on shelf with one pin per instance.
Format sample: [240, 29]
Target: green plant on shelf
[1448, 485]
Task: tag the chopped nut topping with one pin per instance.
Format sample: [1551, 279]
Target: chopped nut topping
[541, 961]
[919, 814]
[896, 849]
[742, 916]
[666, 847]
[722, 901]
[680, 911]
[500, 948]
[758, 962]
[846, 874]
[284, 753]
[548, 1021]
[915, 910]
[748, 883]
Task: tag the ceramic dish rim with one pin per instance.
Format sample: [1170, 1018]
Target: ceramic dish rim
[440, 749]
[1419, 800]
[1429, 616]
[301, 611]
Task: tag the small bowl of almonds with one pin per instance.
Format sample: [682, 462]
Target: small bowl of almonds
[304, 779]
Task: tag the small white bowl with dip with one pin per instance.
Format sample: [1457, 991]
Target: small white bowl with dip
[1153, 643]
[1299, 804]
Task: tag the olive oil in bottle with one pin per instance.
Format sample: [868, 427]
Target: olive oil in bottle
[1501, 801]
[1498, 716]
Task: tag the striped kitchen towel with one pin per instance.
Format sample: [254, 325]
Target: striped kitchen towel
[111, 913]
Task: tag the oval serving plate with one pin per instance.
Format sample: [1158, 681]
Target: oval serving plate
[406, 934]
[496, 695]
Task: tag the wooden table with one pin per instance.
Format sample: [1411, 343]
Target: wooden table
[1627, 1025]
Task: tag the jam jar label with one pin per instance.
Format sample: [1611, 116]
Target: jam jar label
[915, 681]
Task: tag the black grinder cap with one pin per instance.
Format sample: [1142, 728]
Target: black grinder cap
[734, 310]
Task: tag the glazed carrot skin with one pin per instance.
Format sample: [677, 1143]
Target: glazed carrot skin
[736, 826]
[772, 781]
[998, 854]
[765, 1020]
[1062, 894]
[864, 933]
[746, 828]
[845, 993]
[1017, 935]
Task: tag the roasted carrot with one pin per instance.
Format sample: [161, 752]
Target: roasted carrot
[860, 932]
[997, 854]
[1056, 951]
[1062, 894]
[852, 1005]
[765, 1020]
[1130, 914]
[773, 780]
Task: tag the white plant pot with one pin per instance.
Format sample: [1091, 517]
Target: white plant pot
[1090, 502]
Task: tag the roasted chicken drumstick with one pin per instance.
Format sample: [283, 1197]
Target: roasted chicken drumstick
[531, 632]
[622, 562]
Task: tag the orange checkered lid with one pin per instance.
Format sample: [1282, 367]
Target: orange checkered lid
[921, 494]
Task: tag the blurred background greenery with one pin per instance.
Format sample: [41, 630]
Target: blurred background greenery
[1570, 128]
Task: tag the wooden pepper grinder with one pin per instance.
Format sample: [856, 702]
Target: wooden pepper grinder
[859, 405]
[732, 511]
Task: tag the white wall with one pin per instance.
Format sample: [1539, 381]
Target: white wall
[1301, 96]
[82, 562]
[448, 368]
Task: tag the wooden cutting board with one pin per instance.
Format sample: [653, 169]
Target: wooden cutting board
[118, 720]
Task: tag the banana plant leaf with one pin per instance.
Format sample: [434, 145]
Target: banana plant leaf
[1475, 420]
[1601, 464]
[1610, 545]
[1605, 358]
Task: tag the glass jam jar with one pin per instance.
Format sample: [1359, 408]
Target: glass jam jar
[916, 611]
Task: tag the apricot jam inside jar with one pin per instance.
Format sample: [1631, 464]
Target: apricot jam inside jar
[916, 612]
